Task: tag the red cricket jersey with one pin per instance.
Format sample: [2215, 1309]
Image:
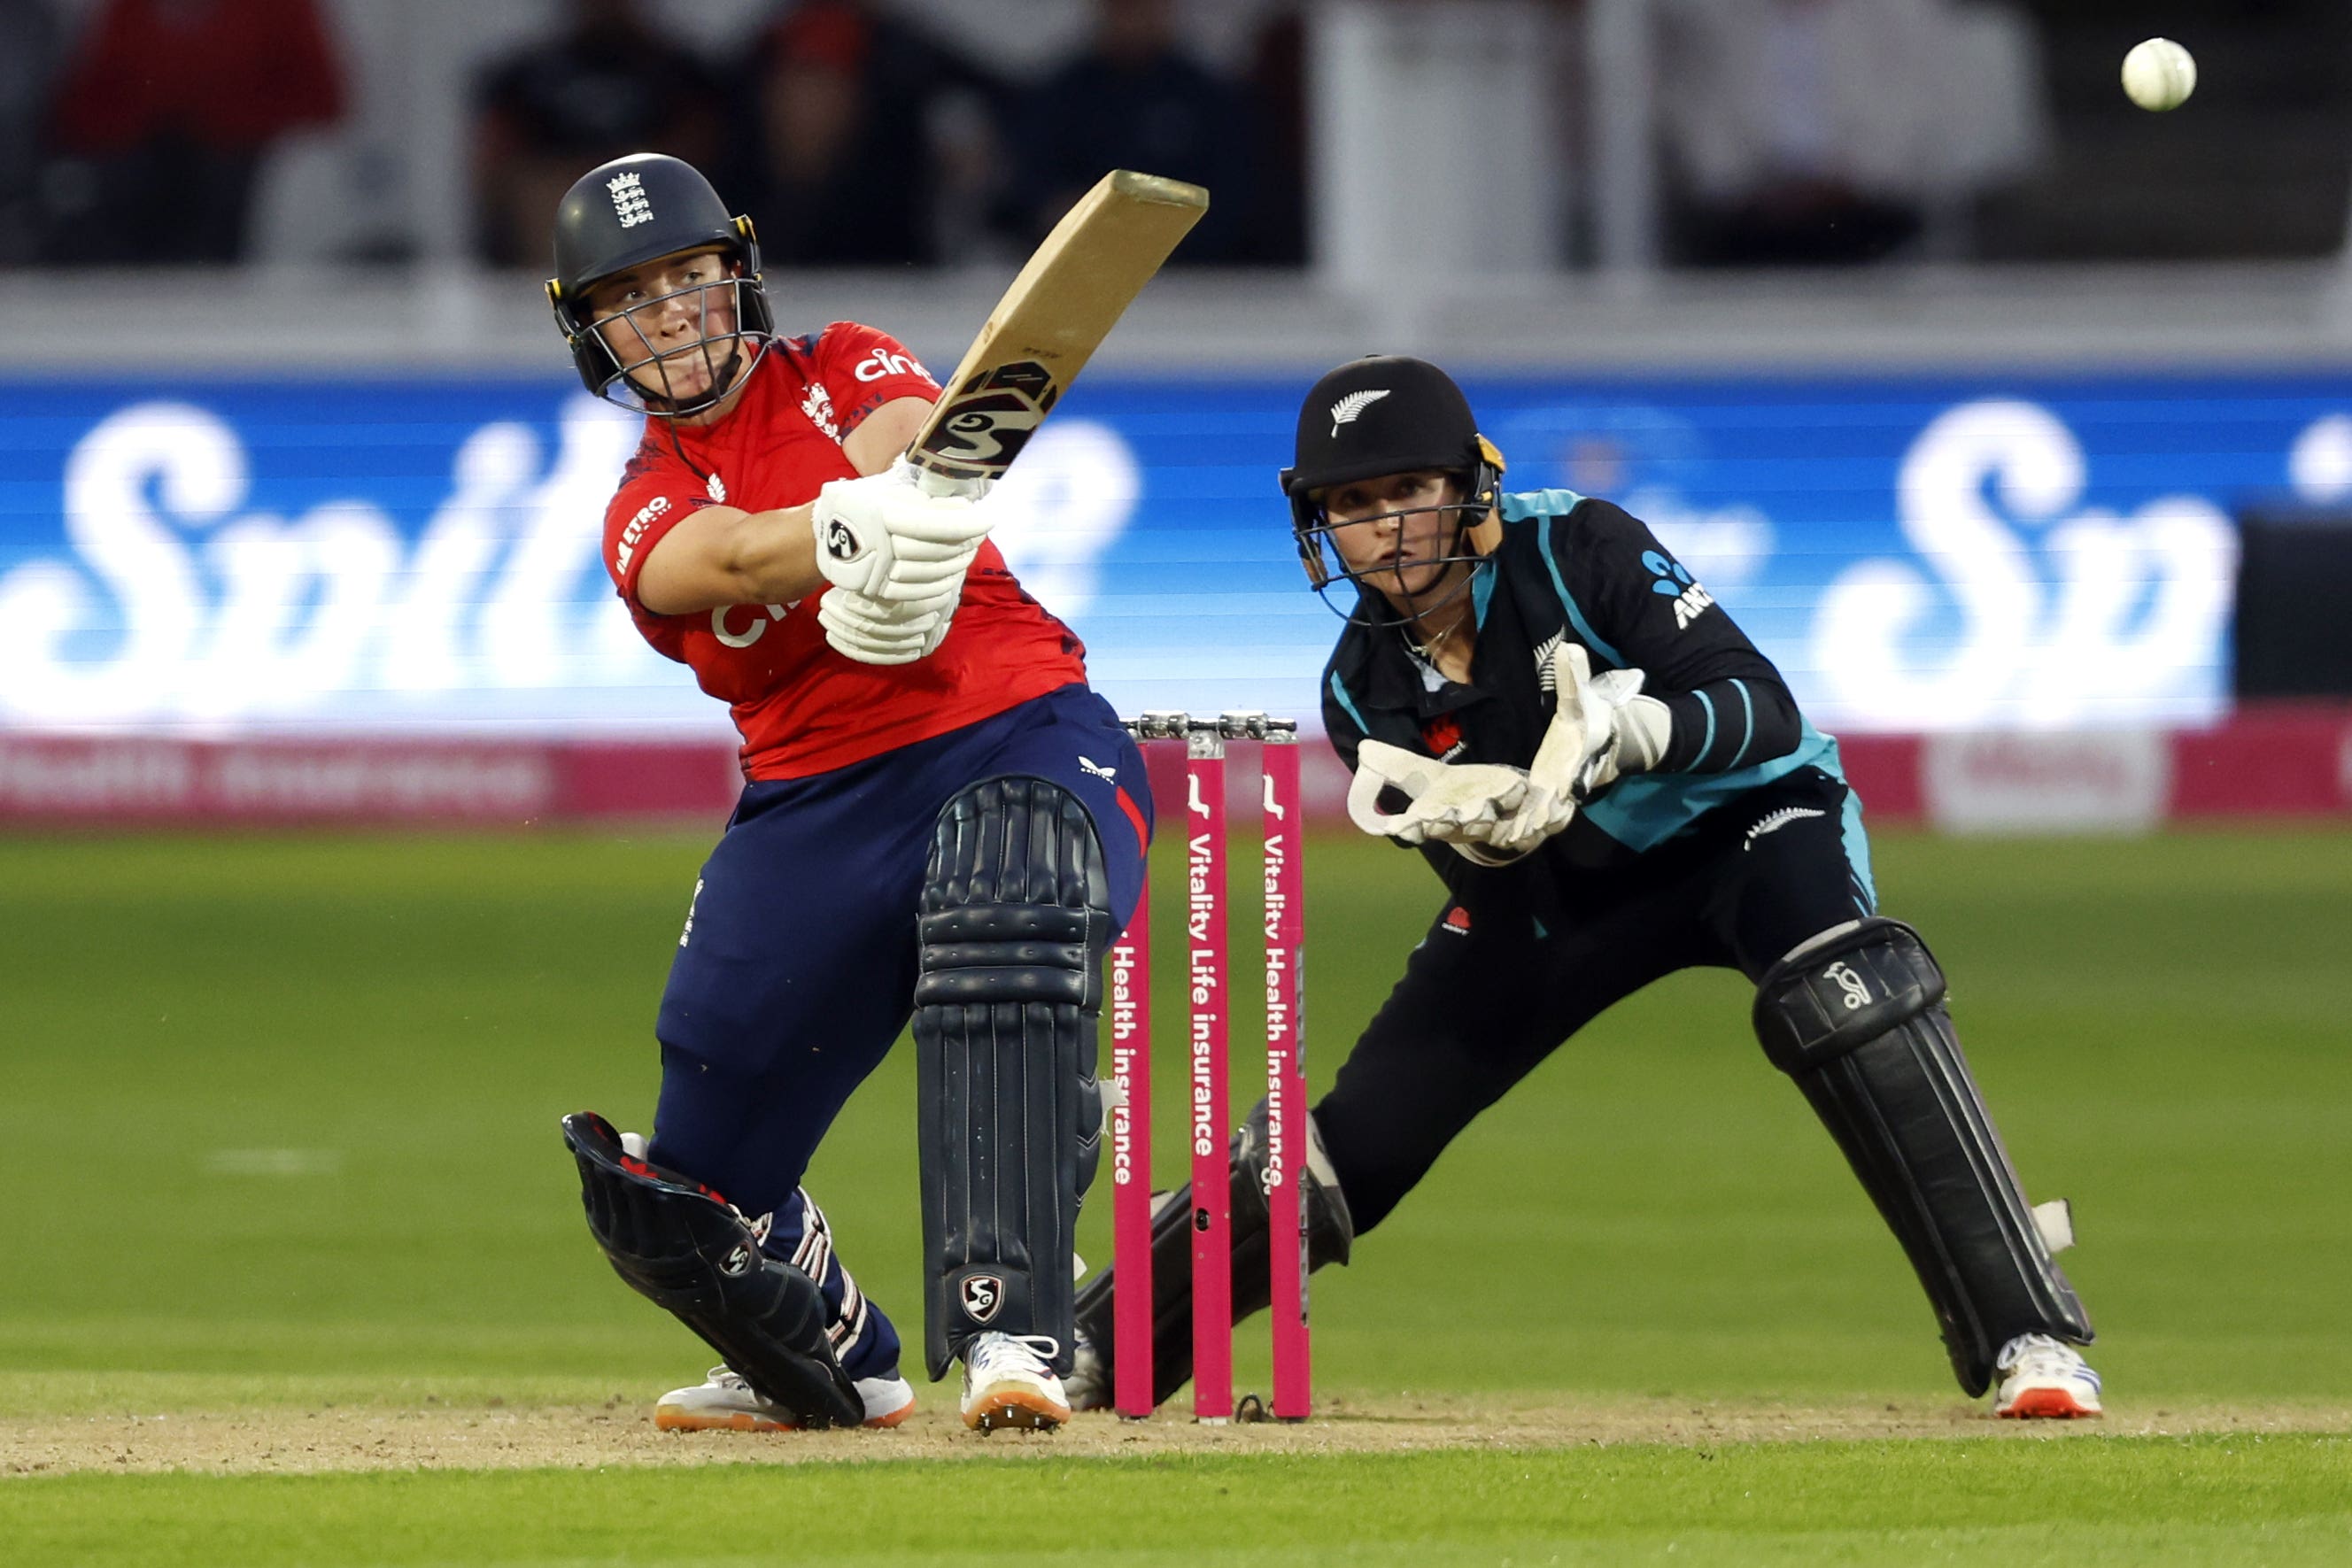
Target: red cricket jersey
[801, 707]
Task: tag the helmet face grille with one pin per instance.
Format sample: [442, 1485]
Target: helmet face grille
[1326, 568]
[625, 356]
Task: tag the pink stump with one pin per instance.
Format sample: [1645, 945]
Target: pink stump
[1204, 937]
[1130, 1160]
[1285, 1073]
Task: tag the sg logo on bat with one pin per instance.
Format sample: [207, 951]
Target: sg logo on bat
[990, 418]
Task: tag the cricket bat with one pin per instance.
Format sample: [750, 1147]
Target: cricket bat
[1049, 323]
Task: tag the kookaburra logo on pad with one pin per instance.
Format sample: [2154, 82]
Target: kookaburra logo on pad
[629, 200]
[982, 1294]
[1345, 410]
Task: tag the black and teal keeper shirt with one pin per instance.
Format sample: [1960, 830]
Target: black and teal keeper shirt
[1581, 569]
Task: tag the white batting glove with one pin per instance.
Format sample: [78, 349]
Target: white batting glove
[879, 630]
[885, 537]
[1454, 804]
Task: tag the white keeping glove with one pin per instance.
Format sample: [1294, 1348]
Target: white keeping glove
[880, 630]
[1455, 804]
[886, 537]
[1602, 729]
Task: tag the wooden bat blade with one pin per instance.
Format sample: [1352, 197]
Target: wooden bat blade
[1058, 311]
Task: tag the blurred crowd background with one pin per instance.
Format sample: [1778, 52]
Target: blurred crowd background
[1984, 400]
[924, 132]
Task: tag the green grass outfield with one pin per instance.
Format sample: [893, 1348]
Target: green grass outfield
[277, 1124]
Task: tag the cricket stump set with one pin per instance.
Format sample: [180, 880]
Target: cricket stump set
[1207, 1013]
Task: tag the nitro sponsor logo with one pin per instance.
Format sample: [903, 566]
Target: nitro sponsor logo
[636, 531]
[883, 363]
[1850, 983]
[629, 202]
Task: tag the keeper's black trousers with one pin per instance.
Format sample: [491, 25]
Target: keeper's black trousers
[1492, 990]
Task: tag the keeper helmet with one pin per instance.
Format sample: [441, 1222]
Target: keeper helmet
[1386, 414]
[637, 210]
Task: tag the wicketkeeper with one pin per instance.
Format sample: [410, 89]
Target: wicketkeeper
[1613, 784]
[937, 821]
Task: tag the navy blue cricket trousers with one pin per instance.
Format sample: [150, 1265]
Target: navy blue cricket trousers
[796, 969]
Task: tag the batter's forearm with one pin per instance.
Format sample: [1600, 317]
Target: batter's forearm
[778, 556]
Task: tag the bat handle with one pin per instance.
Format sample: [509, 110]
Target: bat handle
[932, 482]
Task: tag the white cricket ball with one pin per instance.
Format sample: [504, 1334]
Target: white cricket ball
[2159, 75]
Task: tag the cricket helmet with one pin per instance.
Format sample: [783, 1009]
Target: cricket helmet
[637, 210]
[1384, 415]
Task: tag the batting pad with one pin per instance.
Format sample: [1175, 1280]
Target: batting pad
[1015, 919]
[688, 1250]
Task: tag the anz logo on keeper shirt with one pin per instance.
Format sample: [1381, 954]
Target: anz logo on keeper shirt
[1690, 600]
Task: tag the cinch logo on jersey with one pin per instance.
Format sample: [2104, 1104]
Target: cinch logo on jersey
[1690, 600]
[1458, 921]
[637, 530]
[883, 363]
[1345, 410]
[629, 202]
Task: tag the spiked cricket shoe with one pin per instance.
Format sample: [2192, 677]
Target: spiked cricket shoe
[2041, 1377]
[1007, 1382]
[725, 1402]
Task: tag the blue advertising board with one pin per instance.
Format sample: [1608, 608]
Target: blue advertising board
[1915, 552]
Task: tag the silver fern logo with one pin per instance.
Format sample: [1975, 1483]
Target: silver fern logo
[1345, 410]
[1545, 677]
[1773, 821]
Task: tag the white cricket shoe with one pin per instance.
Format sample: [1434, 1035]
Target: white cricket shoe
[2041, 1376]
[1008, 1382]
[725, 1402]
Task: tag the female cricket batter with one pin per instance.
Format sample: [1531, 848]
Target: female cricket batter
[1613, 784]
[936, 820]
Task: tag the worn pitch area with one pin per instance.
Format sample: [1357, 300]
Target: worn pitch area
[341, 1439]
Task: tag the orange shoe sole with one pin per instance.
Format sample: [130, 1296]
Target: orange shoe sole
[2047, 1405]
[1017, 1408]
